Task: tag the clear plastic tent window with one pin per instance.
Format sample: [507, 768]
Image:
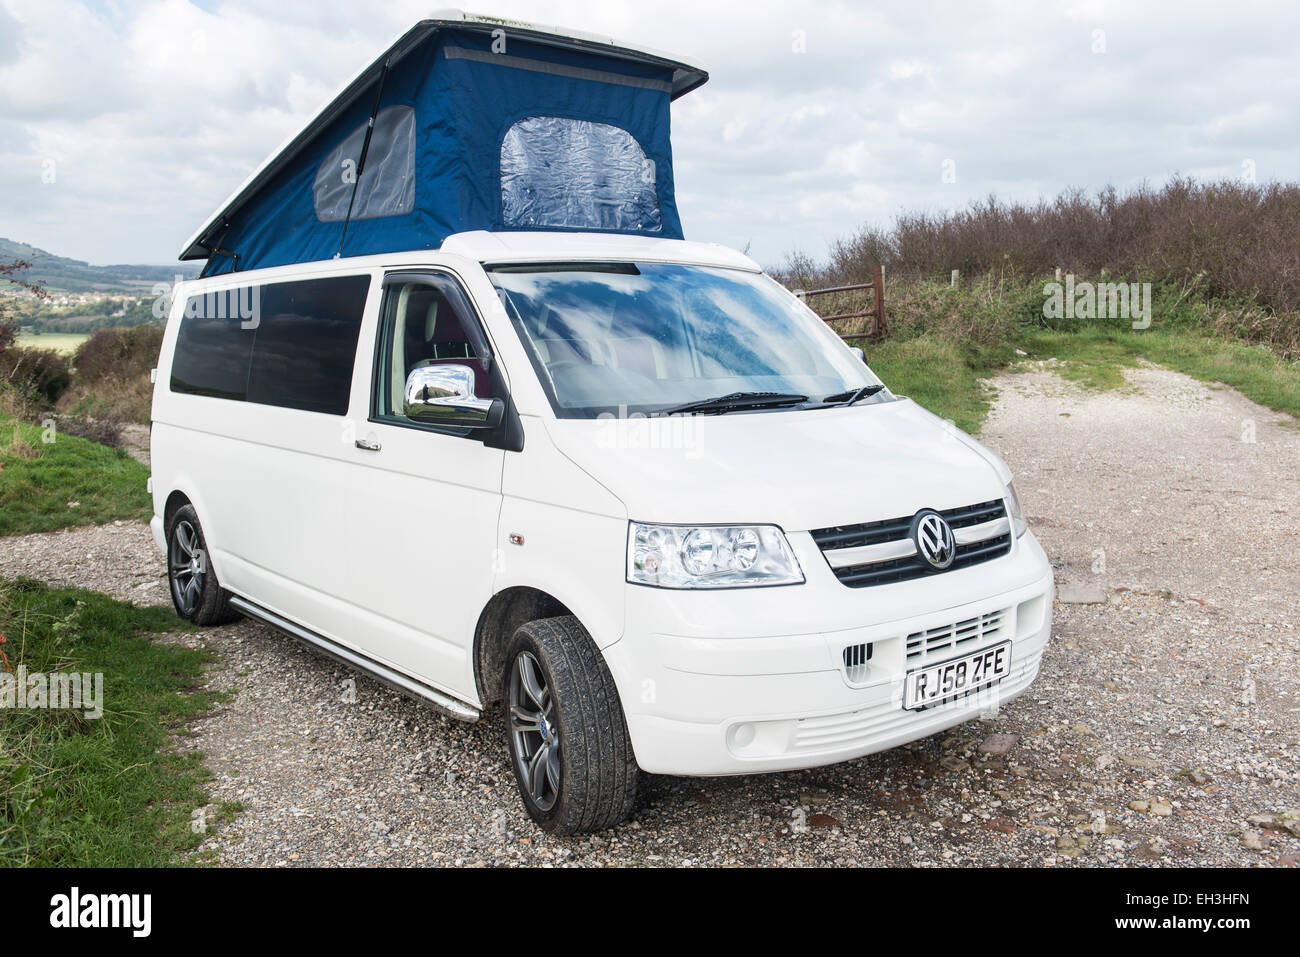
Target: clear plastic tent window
[386, 187]
[575, 174]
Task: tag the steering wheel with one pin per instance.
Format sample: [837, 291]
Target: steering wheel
[564, 365]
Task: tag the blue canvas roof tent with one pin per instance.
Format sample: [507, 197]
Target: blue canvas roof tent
[465, 123]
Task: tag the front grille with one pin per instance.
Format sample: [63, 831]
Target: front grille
[947, 641]
[905, 569]
[896, 531]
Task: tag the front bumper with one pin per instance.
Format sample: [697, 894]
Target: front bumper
[718, 684]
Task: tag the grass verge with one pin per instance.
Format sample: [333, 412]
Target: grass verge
[946, 377]
[1095, 357]
[110, 792]
[70, 481]
[940, 375]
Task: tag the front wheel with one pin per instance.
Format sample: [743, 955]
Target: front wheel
[567, 735]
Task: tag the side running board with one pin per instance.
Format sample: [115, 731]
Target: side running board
[385, 675]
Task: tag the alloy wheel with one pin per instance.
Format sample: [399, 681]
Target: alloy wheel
[534, 731]
[189, 567]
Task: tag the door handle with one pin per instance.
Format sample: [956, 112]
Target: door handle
[368, 445]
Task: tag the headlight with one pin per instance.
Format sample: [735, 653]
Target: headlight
[710, 556]
[1014, 511]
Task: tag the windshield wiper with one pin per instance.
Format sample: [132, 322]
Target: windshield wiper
[854, 395]
[739, 401]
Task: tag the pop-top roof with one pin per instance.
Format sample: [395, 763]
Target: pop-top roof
[465, 123]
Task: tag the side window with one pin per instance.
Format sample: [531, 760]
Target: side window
[215, 344]
[289, 344]
[306, 343]
[425, 322]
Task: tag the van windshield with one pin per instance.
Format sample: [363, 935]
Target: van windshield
[646, 338]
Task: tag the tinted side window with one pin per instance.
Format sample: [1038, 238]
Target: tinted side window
[290, 344]
[306, 343]
[215, 344]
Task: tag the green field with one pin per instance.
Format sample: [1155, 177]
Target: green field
[58, 341]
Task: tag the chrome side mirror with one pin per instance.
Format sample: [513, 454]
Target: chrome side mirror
[862, 356]
[444, 395]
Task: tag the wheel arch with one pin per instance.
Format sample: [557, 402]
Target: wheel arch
[176, 500]
[183, 493]
[497, 623]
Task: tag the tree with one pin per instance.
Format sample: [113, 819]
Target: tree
[12, 274]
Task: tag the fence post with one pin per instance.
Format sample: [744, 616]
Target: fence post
[878, 287]
[956, 274]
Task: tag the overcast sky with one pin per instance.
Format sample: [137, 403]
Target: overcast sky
[146, 114]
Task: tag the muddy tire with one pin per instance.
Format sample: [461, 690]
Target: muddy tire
[565, 728]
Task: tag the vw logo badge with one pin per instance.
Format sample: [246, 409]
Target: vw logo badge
[934, 540]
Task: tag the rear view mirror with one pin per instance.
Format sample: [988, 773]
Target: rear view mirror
[444, 395]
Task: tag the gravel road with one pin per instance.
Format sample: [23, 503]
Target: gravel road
[1163, 727]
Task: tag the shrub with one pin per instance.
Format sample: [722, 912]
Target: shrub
[106, 430]
[1237, 236]
[38, 376]
[119, 353]
[1221, 256]
[128, 400]
[111, 380]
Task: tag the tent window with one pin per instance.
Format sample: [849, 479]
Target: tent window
[576, 174]
[387, 187]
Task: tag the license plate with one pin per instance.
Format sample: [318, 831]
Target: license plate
[957, 676]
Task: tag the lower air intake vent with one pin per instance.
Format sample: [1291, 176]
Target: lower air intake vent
[855, 661]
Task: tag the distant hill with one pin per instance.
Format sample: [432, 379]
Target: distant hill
[59, 273]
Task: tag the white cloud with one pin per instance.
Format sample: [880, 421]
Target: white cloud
[906, 69]
[154, 110]
[851, 160]
[734, 129]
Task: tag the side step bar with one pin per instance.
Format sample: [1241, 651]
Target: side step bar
[380, 672]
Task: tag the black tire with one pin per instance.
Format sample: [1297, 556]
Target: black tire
[592, 784]
[196, 594]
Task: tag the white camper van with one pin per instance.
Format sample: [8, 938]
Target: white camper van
[625, 494]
